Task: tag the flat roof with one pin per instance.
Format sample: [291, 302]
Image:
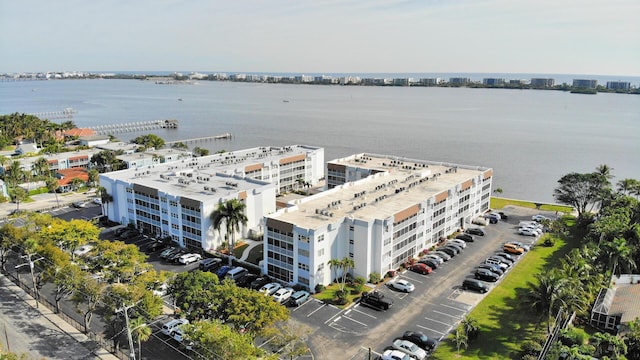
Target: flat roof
[396, 188]
[189, 177]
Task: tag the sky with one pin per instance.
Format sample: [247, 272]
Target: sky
[322, 36]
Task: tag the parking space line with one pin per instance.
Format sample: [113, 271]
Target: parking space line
[314, 311]
[354, 320]
[440, 322]
[363, 313]
[435, 331]
[413, 280]
[454, 308]
[440, 312]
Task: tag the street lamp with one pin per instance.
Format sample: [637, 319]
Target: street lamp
[31, 264]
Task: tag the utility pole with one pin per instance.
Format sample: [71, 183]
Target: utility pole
[125, 309]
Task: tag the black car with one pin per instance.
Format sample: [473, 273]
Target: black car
[420, 339]
[465, 237]
[506, 257]
[246, 280]
[449, 251]
[430, 263]
[503, 216]
[260, 282]
[455, 246]
[154, 246]
[210, 264]
[474, 231]
[474, 284]
[493, 268]
[486, 275]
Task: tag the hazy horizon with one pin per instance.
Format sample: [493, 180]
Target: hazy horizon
[588, 37]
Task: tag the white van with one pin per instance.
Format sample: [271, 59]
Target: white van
[236, 273]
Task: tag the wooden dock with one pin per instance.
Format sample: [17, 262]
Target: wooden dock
[135, 126]
[200, 139]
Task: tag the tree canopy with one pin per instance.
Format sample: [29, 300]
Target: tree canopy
[582, 191]
[149, 141]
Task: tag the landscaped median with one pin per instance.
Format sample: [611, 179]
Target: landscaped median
[504, 318]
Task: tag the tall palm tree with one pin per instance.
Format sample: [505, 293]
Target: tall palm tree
[605, 170]
[41, 166]
[53, 186]
[105, 199]
[229, 214]
[627, 186]
[141, 332]
[618, 255]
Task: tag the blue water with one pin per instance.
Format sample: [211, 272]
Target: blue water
[530, 137]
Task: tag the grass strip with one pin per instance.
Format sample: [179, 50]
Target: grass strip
[499, 203]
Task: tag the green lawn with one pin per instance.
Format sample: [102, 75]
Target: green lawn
[328, 295]
[504, 321]
[499, 203]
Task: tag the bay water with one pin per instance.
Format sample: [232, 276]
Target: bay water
[529, 137]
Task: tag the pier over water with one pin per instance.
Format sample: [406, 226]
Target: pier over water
[201, 139]
[135, 126]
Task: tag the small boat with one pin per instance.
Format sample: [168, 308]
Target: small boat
[285, 101]
[179, 99]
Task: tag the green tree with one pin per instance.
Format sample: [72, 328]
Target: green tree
[18, 195]
[289, 338]
[180, 146]
[77, 183]
[543, 295]
[461, 339]
[214, 340]
[230, 215]
[41, 167]
[94, 177]
[344, 265]
[105, 199]
[87, 298]
[618, 256]
[198, 151]
[582, 191]
[193, 293]
[632, 339]
[149, 141]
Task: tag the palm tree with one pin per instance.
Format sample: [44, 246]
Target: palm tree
[41, 166]
[618, 255]
[53, 186]
[105, 199]
[141, 332]
[605, 170]
[461, 338]
[543, 295]
[229, 214]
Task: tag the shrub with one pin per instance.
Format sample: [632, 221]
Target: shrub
[359, 280]
[319, 288]
[530, 347]
[548, 241]
[572, 336]
[374, 278]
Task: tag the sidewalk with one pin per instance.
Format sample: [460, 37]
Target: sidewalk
[81, 338]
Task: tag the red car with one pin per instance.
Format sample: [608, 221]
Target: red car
[421, 268]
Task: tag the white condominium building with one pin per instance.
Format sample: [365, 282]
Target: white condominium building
[381, 212]
[176, 199]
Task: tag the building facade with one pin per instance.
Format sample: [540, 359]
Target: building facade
[542, 82]
[176, 199]
[385, 211]
[585, 83]
[618, 85]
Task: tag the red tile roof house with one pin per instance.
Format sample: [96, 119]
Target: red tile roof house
[66, 176]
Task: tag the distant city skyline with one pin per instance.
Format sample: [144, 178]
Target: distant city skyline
[588, 37]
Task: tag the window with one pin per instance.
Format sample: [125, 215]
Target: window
[302, 266]
[320, 238]
[351, 241]
[321, 252]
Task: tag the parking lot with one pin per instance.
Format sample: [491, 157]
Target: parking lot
[436, 307]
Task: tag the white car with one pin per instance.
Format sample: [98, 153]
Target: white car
[458, 242]
[283, 294]
[270, 288]
[97, 201]
[83, 250]
[539, 218]
[169, 327]
[189, 258]
[410, 348]
[527, 232]
[161, 290]
[395, 355]
[535, 229]
[402, 285]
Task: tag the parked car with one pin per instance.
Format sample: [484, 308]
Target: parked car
[434, 257]
[506, 256]
[236, 273]
[527, 232]
[391, 354]
[491, 267]
[474, 284]
[169, 327]
[153, 247]
[539, 217]
[260, 282]
[501, 260]
[78, 204]
[168, 252]
[245, 281]
[376, 300]
[430, 262]
[282, 294]
[455, 246]
[465, 237]
[486, 275]
[524, 246]
[175, 257]
[410, 348]
[503, 216]
[420, 339]
[97, 201]
[210, 264]
[458, 242]
[270, 288]
[187, 259]
[298, 298]
[83, 250]
[474, 231]
[161, 290]
[498, 263]
[223, 270]
[402, 285]
[448, 250]
[421, 268]
[443, 255]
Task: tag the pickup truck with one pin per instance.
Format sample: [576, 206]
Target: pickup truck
[376, 300]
